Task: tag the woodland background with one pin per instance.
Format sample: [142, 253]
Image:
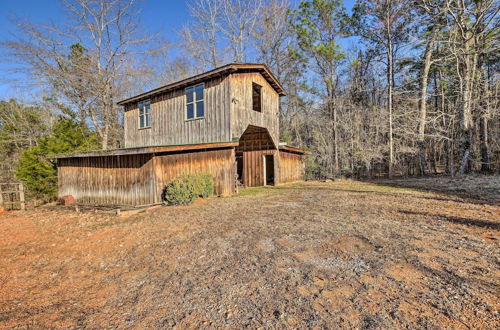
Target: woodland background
[417, 94]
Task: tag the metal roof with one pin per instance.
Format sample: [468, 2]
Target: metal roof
[148, 150]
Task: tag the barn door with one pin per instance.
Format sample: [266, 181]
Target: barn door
[268, 170]
[239, 168]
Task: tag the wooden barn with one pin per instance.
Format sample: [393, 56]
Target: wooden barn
[224, 122]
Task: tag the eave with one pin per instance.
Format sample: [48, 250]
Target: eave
[148, 150]
[293, 149]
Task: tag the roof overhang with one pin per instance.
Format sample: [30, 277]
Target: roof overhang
[293, 149]
[148, 150]
[226, 69]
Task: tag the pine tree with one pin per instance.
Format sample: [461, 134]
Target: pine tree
[37, 168]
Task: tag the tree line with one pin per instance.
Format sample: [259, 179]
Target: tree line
[390, 87]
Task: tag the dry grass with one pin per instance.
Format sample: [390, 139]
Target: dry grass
[349, 254]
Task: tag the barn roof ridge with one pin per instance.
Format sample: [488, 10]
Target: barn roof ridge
[228, 68]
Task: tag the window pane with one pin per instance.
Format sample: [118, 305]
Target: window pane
[148, 120]
[256, 97]
[190, 111]
[141, 121]
[141, 109]
[189, 95]
[199, 92]
[200, 109]
[147, 107]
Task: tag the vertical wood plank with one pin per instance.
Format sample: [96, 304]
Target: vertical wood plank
[169, 125]
[140, 179]
[21, 196]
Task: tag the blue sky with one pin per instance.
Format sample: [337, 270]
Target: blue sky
[163, 16]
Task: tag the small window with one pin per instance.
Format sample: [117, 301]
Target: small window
[195, 107]
[256, 97]
[144, 114]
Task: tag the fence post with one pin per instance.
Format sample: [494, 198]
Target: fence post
[21, 197]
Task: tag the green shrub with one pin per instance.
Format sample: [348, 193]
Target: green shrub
[179, 192]
[184, 189]
[204, 185]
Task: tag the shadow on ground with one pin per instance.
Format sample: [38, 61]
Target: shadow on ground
[477, 189]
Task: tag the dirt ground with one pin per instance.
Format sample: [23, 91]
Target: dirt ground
[316, 254]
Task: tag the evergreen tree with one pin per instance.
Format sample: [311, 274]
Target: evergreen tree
[319, 26]
[37, 168]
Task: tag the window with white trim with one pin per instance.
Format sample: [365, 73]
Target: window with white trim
[195, 105]
[144, 114]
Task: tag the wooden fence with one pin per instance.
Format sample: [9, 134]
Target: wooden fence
[12, 194]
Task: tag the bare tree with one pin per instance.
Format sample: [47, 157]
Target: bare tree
[85, 62]
[221, 31]
[238, 19]
[274, 43]
[201, 39]
[21, 126]
[433, 14]
[387, 24]
[272, 36]
[471, 25]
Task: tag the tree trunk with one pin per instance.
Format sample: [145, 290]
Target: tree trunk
[105, 137]
[466, 112]
[466, 147]
[332, 113]
[447, 156]
[335, 140]
[483, 125]
[389, 104]
[423, 100]
[485, 147]
[433, 158]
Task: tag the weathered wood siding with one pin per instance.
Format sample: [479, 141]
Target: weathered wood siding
[219, 163]
[228, 113]
[120, 180]
[169, 125]
[140, 179]
[291, 167]
[253, 167]
[242, 113]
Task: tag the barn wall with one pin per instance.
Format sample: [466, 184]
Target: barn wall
[291, 167]
[105, 180]
[169, 125]
[253, 167]
[219, 163]
[228, 112]
[139, 179]
[243, 115]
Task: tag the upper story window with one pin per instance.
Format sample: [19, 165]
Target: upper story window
[195, 105]
[144, 114]
[256, 97]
